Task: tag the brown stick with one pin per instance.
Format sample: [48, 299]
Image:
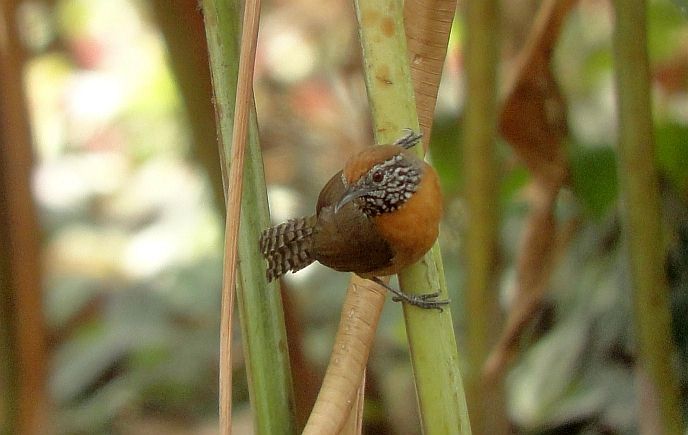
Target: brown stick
[244, 95]
[23, 366]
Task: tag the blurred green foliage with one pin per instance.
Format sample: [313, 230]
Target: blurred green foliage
[672, 153]
[593, 171]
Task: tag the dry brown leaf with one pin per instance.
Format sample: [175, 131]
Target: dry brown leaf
[427, 24]
[533, 120]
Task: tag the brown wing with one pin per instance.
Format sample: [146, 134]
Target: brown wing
[330, 194]
[347, 241]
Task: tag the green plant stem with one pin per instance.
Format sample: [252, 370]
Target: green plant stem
[260, 303]
[430, 333]
[642, 214]
[480, 165]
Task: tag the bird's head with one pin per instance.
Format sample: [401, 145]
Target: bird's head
[381, 179]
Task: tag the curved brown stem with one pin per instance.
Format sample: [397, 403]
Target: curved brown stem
[360, 315]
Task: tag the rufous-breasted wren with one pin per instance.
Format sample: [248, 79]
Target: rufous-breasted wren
[378, 215]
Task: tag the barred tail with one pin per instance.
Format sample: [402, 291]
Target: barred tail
[287, 246]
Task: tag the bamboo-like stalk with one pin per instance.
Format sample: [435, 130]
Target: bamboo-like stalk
[641, 208]
[480, 166]
[260, 303]
[244, 97]
[430, 333]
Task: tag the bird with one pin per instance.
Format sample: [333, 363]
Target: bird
[376, 216]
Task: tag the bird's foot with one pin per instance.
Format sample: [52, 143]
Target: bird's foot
[411, 139]
[425, 300]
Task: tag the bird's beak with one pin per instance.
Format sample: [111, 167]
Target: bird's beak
[349, 195]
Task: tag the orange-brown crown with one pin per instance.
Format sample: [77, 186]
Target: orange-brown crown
[359, 165]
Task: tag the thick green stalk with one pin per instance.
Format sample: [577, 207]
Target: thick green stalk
[260, 303]
[642, 213]
[480, 122]
[430, 333]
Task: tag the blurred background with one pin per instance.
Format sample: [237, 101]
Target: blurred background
[125, 189]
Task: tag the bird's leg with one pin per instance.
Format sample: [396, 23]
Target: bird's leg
[426, 300]
[409, 140]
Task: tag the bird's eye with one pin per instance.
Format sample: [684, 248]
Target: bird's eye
[378, 176]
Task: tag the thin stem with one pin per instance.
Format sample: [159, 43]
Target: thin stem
[260, 304]
[482, 42]
[642, 214]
